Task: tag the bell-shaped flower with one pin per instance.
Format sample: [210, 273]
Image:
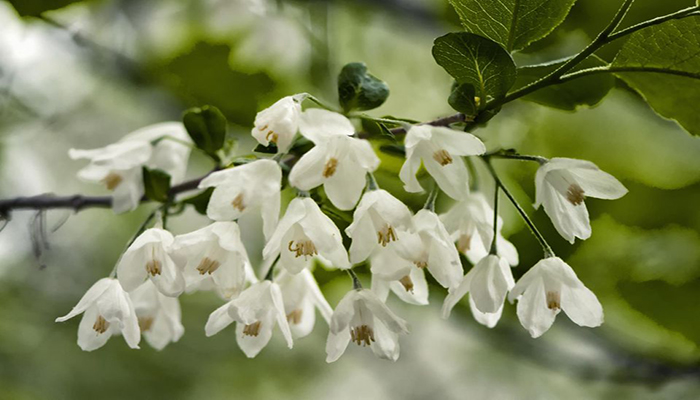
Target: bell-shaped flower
[159, 316]
[303, 233]
[338, 161]
[488, 284]
[255, 311]
[470, 222]
[249, 187]
[361, 317]
[278, 123]
[432, 247]
[440, 150]
[379, 220]
[213, 257]
[119, 166]
[561, 186]
[107, 311]
[148, 257]
[549, 287]
[391, 272]
[302, 297]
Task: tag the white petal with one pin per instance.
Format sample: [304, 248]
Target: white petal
[317, 296]
[570, 220]
[252, 345]
[582, 306]
[336, 344]
[318, 125]
[487, 319]
[599, 184]
[457, 143]
[307, 173]
[295, 212]
[380, 287]
[452, 178]
[490, 283]
[218, 320]
[88, 338]
[345, 187]
[364, 238]
[278, 303]
[454, 295]
[533, 312]
[88, 299]
[383, 313]
[418, 295]
[408, 172]
[386, 345]
[344, 312]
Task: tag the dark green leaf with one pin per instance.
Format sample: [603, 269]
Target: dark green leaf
[673, 49]
[200, 201]
[463, 99]
[207, 128]
[156, 184]
[587, 91]
[34, 8]
[375, 128]
[512, 23]
[474, 60]
[360, 90]
[394, 149]
[269, 149]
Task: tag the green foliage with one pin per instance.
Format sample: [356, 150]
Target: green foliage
[156, 183]
[673, 49]
[360, 90]
[200, 202]
[35, 8]
[587, 91]
[513, 24]
[474, 60]
[462, 98]
[207, 128]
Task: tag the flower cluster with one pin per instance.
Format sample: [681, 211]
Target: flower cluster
[399, 245]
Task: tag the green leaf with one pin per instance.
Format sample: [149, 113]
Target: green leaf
[207, 128]
[474, 60]
[513, 24]
[360, 90]
[672, 49]
[375, 128]
[35, 8]
[462, 99]
[269, 149]
[587, 91]
[156, 184]
[200, 202]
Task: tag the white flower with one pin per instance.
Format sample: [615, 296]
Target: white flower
[213, 257]
[561, 186]
[470, 222]
[338, 162]
[305, 232]
[379, 220]
[108, 311]
[487, 283]
[255, 312]
[119, 166]
[159, 316]
[432, 247]
[404, 278]
[440, 150]
[149, 258]
[278, 123]
[361, 317]
[302, 296]
[548, 287]
[248, 187]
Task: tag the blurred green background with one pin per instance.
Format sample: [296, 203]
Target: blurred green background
[87, 72]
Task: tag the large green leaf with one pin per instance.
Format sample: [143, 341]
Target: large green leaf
[512, 23]
[474, 60]
[360, 90]
[672, 49]
[587, 91]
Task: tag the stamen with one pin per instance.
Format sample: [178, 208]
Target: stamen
[386, 235]
[553, 300]
[464, 243]
[153, 267]
[421, 264]
[294, 317]
[575, 194]
[101, 325]
[112, 180]
[145, 323]
[252, 329]
[442, 157]
[362, 335]
[306, 248]
[271, 136]
[207, 265]
[407, 283]
[237, 203]
[330, 167]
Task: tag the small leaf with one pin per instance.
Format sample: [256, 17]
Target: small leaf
[35, 8]
[360, 90]
[394, 149]
[156, 184]
[375, 128]
[207, 128]
[474, 60]
[269, 149]
[463, 99]
[513, 24]
[672, 49]
[200, 202]
[587, 91]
